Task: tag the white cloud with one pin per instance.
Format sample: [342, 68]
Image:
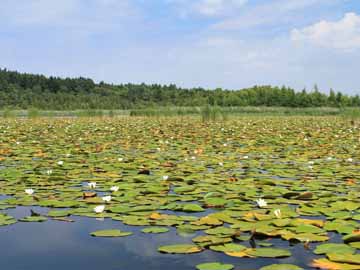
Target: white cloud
[128, 50]
[217, 7]
[343, 34]
[208, 8]
[35, 11]
[276, 11]
[84, 15]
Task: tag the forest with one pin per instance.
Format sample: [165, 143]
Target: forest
[24, 91]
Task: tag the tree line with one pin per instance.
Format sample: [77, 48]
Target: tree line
[24, 91]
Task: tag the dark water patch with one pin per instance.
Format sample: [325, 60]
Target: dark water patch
[4, 197]
[24, 211]
[59, 245]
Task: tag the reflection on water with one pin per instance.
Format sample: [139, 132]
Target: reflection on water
[58, 245]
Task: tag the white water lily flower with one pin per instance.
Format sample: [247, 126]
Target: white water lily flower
[193, 158]
[225, 144]
[311, 162]
[221, 164]
[120, 159]
[29, 191]
[114, 188]
[48, 172]
[245, 157]
[329, 158]
[92, 185]
[165, 177]
[277, 213]
[99, 209]
[106, 198]
[60, 162]
[261, 203]
[349, 160]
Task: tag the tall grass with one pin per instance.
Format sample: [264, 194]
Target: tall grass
[206, 113]
[165, 111]
[89, 113]
[213, 113]
[33, 113]
[351, 114]
[8, 113]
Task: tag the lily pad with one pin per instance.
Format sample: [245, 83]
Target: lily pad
[155, 230]
[334, 248]
[33, 219]
[281, 267]
[180, 249]
[110, 233]
[269, 252]
[214, 266]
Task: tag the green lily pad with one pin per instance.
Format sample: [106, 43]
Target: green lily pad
[355, 245]
[155, 230]
[352, 238]
[334, 248]
[110, 233]
[215, 202]
[192, 208]
[281, 267]
[180, 249]
[221, 231]
[214, 266]
[269, 252]
[344, 258]
[231, 247]
[55, 213]
[33, 219]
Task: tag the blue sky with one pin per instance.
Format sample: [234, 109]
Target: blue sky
[209, 43]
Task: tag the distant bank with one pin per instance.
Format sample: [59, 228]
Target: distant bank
[23, 91]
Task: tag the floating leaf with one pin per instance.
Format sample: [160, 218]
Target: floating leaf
[329, 265]
[192, 208]
[355, 237]
[110, 233]
[281, 267]
[155, 230]
[334, 248]
[33, 219]
[214, 266]
[180, 249]
[344, 258]
[268, 252]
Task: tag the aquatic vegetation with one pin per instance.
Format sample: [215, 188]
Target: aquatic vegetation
[214, 266]
[29, 191]
[99, 209]
[106, 198]
[110, 233]
[114, 188]
[241, 188]
[261, 203]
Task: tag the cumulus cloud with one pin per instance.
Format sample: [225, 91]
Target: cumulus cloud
[343, 34]
[276, 11]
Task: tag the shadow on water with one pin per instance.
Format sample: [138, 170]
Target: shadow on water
[61, 245]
